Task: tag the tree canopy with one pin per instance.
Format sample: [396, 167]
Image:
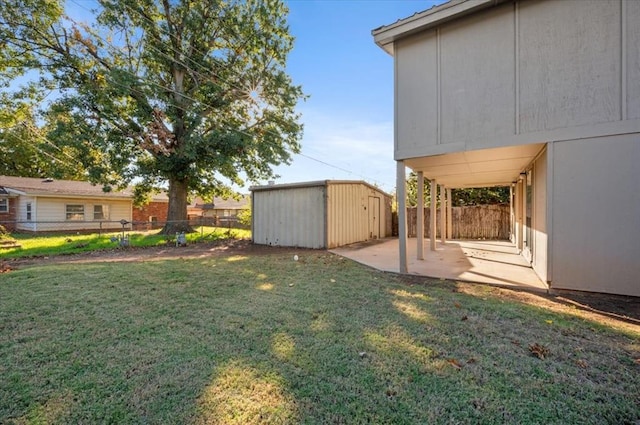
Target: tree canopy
[459, 197]
[192, 95]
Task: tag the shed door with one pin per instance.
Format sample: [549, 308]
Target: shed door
[374, 217]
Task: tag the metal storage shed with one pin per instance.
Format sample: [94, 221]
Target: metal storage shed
[319, 214]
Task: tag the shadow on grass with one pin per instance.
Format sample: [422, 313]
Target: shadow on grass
[265, 339]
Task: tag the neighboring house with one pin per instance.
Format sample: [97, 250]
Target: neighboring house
[221, 209]
[8, 209]
[541, 96]
[154, 213]
[319, 214]
[56, 205]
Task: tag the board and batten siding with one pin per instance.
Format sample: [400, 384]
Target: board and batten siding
[293, 216]
[519, 73]
[50, 214]
[596, 215]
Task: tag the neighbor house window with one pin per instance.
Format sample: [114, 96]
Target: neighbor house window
[226, 213]
[4, 205]
[100, 212]
[75, 212]
[28, 209]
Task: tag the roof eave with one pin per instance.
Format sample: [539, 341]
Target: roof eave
[74, 195]
[385, 36]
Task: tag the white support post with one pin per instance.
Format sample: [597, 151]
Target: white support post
[432, 218]
[420, 217]
[443, 217]
[401, 195]
[512, 216]
[449, 216]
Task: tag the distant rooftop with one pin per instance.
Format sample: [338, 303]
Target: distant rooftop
[52, 187]
[65, 188]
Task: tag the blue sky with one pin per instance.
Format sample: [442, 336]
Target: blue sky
[348, 117]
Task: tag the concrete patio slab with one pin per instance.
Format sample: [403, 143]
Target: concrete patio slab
[492, 262]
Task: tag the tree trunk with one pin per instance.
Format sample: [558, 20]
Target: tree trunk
[177, 220]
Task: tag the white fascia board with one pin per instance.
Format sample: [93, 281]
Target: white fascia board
[78, 196]
[14, 192]
[385, 36]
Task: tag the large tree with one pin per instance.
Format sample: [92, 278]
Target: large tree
[187, 94]
[25, 150]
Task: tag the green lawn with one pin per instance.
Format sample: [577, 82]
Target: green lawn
[322, 340]
[45, 245]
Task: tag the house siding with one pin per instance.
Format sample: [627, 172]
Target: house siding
[49, 214]
[540, 232]
[596, 210]
[473, 113]
[519, 73]
[564, 74]
[631, 12]
[21, 217]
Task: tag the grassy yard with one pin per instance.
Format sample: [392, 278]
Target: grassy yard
[44, 245]
[322, 340]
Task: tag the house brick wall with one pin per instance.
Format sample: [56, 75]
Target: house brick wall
[152, 209]
[8, 219]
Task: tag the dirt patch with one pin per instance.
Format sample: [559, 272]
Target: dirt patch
[617, 310]
[157, 253]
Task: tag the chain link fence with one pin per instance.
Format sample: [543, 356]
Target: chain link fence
[110, 226]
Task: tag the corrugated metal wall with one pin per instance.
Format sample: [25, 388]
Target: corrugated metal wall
[289, 217]
[349, 215]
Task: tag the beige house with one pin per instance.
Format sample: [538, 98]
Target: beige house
[541, 96]
[220, 208]
[319, 214]
[42, 205]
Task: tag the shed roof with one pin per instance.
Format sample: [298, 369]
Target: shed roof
[314, 184]
[221, 203]
[386, 35]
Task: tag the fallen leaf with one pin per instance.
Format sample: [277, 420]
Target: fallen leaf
[549, 321]
[457, 305]
[516, 342]
[291, 284]
[637, 361]
[455, 363]
[464, 318]
[540, 351]
[471, 361]
[332, 280]
[362, 354]
[581, 363]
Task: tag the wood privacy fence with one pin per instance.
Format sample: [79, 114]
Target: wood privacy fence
[470, 222]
